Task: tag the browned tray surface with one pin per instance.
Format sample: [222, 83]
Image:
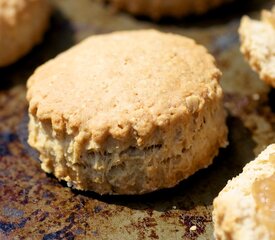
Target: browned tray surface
[34, 205]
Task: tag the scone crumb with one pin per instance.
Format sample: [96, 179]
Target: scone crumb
[69, 184]
[193, 228]
[256, 97]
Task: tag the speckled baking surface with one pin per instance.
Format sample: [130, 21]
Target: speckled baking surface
[34, 205]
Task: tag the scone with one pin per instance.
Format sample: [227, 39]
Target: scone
[159, 8]
[258, 44]
[22, 25]
[245, 208]
[127, 112]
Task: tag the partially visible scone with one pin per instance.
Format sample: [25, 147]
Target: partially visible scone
[22, 25]
[245, 208]
[173, 8]
[128, 112]
[258, 44]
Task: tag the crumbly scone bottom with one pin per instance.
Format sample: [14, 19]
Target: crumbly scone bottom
[184, 149]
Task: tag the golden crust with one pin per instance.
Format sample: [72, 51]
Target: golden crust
[22, 25]
[258, 44]
[130, 93]
[174, 8]
[123, 90]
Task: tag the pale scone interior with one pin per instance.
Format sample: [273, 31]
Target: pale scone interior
[245, 208]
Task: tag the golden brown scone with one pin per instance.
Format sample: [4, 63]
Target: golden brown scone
[128, 112]
[258, 44]
[22, 25]
[245, 208]
[159, 8]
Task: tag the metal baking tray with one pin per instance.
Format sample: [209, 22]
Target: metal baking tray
[34, 205]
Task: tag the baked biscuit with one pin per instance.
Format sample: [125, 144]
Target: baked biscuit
[127, 112]
[245, 208]
[22, 25]
[159, 8]
[258, 44]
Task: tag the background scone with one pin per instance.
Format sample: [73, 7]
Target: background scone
[159, 8]
[245, 208]
[22, 25]
[258, 44]
[128, 112]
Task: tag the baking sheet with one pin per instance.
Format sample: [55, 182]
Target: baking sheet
[34, 205]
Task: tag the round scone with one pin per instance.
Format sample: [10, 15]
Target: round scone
[159, 8]
[22, 25]
[258, 44]
[245, 208]
[127, 113]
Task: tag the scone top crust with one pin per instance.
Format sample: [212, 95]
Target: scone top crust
[258, 44]
[123, 85]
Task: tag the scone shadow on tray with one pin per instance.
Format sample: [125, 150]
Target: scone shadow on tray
[198, 190]
[58, 38]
